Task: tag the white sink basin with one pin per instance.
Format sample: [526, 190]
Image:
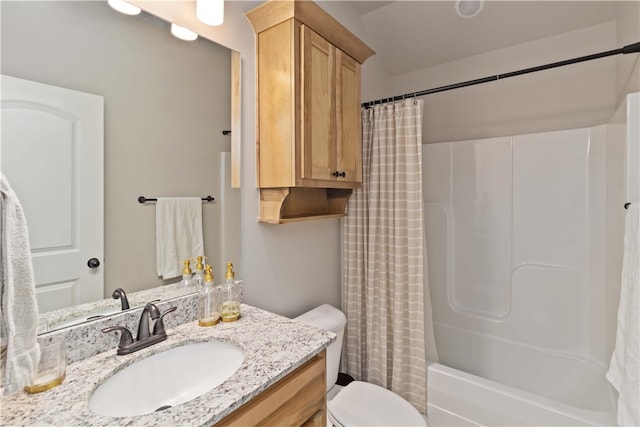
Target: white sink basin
[166, 379]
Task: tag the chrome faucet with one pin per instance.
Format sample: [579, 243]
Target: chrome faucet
[144, 337]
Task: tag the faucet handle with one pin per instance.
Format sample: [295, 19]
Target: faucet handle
[158, 327]
[125, 337]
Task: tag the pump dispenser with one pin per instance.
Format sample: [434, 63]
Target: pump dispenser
[229, 275]
[209, 301]
[187, 268]
[232, 291]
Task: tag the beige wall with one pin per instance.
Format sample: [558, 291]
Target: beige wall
[166, 103]
[287, 268]
[574, 96]
[628, 66]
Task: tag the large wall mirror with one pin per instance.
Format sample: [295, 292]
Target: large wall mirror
[166, 103]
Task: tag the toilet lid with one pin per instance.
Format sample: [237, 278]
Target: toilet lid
[365, 404]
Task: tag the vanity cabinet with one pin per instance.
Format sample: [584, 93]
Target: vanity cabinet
[299, 399]
[309, 143]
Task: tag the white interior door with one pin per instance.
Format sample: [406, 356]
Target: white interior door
[51, 151]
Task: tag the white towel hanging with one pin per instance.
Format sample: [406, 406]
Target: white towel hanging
[20, 351]
[178, 233]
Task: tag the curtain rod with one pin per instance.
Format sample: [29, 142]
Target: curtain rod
[632, 48]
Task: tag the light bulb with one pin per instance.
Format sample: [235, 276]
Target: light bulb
[124, 7]
[211, 12]
[468, 8]
[183, 33]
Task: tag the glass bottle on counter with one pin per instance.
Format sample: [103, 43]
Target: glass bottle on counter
[209, 301]
[198, 277]
[231, 296]
[185, 285]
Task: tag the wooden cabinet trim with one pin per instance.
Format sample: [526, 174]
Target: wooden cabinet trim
[274, 12]
[277, 65]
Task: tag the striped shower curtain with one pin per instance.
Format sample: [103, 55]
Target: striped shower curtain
[383, 246]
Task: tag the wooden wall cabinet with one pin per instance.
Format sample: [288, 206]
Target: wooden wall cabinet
[299, 399]
[309, 147]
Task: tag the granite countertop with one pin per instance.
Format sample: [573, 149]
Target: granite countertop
[70, 316]
[273, 346]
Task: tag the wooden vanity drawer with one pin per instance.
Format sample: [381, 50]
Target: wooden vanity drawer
[296, 400]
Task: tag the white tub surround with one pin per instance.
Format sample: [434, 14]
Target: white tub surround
[273, 346]
[460, 398]
[518, 233]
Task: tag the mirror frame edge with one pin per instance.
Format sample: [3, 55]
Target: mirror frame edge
[236, 113]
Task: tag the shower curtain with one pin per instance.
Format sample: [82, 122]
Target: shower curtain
[384, 264]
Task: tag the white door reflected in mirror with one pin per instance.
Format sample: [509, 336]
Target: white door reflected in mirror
[56, 136]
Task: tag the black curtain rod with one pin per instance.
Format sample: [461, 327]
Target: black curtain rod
[143, 199]
[632, 48]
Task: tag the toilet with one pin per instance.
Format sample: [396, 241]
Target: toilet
[359, 403]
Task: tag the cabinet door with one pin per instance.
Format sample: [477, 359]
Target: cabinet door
[318, 107]
[349, 128]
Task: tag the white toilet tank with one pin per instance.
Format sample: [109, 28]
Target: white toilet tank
[331, 319]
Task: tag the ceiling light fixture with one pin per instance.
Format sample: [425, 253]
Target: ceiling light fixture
[468, 8]
[211, 12]
[124, 7]
[183, 33]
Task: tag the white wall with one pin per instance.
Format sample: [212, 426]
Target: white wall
[578, 95]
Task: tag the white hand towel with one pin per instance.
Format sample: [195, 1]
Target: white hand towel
[178, 233]
[623, 372]
[18, 341]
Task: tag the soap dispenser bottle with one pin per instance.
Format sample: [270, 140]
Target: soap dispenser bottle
[209, 301]
[231, 294]
[186, 282]
[198, 277]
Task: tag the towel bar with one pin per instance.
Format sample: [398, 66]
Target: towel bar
[143, 199]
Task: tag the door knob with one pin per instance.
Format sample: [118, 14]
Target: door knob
[93, 263]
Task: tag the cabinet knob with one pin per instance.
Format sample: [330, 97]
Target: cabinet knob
[339, 174]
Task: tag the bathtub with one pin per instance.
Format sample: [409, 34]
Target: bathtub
[503, 383]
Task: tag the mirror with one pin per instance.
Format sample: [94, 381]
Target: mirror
[166, 103]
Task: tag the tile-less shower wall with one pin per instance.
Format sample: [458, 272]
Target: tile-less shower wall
[516, 242]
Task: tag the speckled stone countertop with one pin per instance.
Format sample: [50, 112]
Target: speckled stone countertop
[70, 316]
[273, 346]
